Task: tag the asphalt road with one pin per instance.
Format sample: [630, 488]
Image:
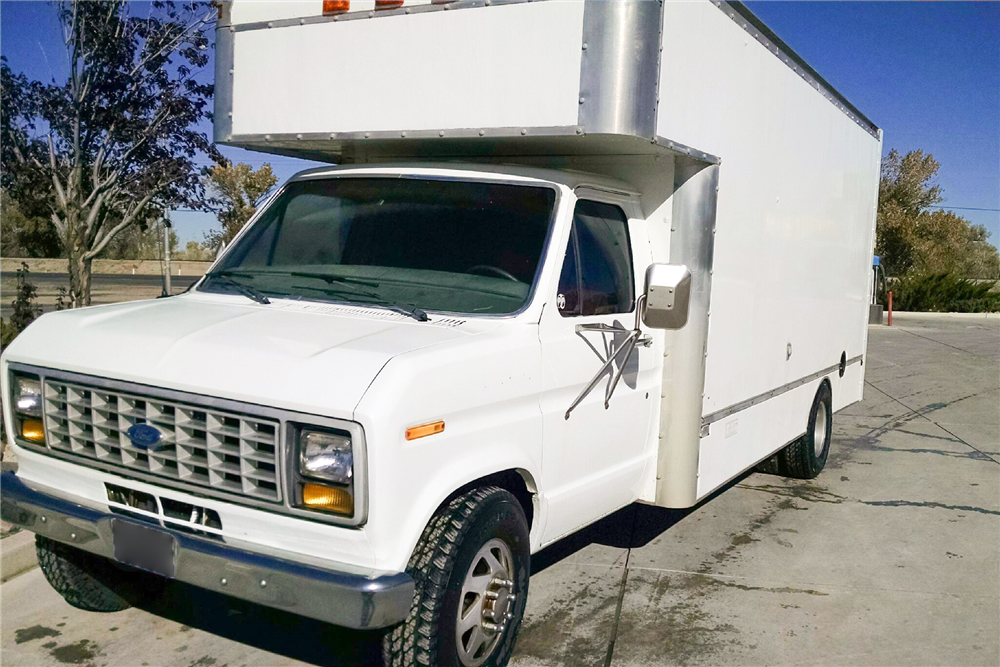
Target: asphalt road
[890, 557]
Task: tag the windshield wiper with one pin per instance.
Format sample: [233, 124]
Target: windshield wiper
[403, 308]
[245, 290]
[419, 314]
[328, 277]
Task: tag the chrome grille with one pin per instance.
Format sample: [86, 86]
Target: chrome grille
[220, 450]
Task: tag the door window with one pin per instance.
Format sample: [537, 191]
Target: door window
[597, 272]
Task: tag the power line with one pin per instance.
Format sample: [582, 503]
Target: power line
[966, 208]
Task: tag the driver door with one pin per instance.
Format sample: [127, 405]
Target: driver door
[594, 459]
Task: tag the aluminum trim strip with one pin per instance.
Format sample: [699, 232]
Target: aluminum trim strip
[680, 149]
[746, 19]
[694, 205]
[767, 395]
[222, 116]
[620, 67]
[353, 147]
[450, 133]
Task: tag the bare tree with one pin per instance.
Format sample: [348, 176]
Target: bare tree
[115, 144]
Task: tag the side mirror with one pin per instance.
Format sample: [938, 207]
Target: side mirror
[668, 290]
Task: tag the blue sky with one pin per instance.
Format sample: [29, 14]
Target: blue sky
[927, 73]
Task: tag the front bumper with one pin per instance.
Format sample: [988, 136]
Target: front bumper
[275, 579]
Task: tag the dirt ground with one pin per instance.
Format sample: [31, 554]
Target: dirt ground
[108, 266]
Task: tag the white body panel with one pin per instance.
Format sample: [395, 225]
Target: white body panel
[395, 73]
[794, 231]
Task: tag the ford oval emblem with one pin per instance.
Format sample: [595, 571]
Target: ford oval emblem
[144, 436]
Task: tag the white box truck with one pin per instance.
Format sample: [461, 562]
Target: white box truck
[572, 255]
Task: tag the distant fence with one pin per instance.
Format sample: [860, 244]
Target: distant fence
[143, 267]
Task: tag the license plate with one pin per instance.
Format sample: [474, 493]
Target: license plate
[145, 548]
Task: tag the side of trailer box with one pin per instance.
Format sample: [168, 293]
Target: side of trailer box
[793, 239]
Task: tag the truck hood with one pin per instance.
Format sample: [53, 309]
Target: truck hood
[306, 357]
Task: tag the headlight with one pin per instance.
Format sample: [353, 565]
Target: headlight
[28, 396]
[325, 455]
[326, 460]
[26, 400]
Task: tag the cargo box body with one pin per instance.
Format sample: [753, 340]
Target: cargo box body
[751, 170]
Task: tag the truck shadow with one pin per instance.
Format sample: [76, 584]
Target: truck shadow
[284, 634]
[631, 527]
[298, 638]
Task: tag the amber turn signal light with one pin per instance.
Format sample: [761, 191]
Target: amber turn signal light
[424, 430]
[327, 498]
[32, 430]
[336, 7]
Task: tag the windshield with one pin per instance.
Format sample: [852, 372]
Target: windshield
[414, 243]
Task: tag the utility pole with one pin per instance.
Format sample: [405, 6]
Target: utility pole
[166, 253]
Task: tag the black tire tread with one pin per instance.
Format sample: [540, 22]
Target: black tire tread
[770, 465]
[414, 642]
[794, 459]
[81, 578]
[798, 460]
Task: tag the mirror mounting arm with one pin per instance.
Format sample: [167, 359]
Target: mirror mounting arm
[635, 337]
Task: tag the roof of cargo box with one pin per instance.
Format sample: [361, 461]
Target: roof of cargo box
[619, 83]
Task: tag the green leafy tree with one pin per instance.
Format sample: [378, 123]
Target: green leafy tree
[196, 252]
[24, 235]
[114, 144]
[24, 211]
[140, 241]
[912, 238]
[238, 189]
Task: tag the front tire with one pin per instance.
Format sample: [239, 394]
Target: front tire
[471, 569]
[806, 457]
[90, 582]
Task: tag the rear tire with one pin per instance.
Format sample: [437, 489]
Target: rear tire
[806, 457]
[90, 582]
[770, 465]
[479, 527]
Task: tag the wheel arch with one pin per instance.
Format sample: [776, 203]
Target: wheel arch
[519, 481]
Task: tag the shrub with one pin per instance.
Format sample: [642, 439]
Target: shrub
[944, 292]
[25, 310]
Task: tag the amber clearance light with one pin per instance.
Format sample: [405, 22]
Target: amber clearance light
[336, 7]
[32, 430]
[328, 499]
[424, 430]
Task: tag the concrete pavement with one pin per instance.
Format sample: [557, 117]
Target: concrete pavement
[890, 557]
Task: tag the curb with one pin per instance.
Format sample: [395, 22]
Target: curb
[932, 315]
[17, 555]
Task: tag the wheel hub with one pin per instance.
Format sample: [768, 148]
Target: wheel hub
[497, 608]
[819, 431]
[486, 605]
